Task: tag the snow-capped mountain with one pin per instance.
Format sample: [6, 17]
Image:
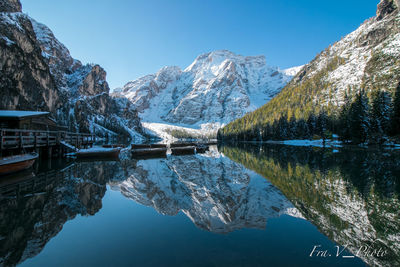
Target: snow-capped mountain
[215, 89]
[368, 57]
[367, 60]
[38, 73]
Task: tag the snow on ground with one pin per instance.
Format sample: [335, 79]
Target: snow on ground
[328, 143]
[163, 130]
[315, 143]
[98, 149]
[68, 145]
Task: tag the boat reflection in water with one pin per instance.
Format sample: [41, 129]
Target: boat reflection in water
[352, 198]
[33, 208]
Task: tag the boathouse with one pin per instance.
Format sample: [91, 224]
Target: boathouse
[26, 131]
[33, 120]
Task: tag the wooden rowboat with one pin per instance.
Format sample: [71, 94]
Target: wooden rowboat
[17, 163]
[158, 146]
[140, 146]
[201, 149]
[98, 152]
[149, 153]
[212, 143]
[183, 150]
[182, 144]
[112, 145]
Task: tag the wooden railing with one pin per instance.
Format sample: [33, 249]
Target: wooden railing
[27, 183]
[15, 138]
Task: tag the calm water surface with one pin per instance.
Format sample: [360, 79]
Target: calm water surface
[234, 206]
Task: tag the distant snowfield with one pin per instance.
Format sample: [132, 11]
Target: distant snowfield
[163, 130]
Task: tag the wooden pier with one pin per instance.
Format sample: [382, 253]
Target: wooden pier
[33, 140]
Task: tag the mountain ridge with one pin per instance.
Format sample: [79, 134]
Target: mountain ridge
[215, 89]
[38, 73]
[365, 60]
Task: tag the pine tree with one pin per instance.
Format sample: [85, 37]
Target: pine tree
[292, 131]
[282, 128]
[395, 118]
[311, 124]
[359, 118]
[344, 119]
[322, 120]
[380, 116]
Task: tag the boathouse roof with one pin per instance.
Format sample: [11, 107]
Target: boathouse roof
[20, 114]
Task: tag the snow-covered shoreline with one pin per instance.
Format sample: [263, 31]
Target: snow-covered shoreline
[320, 143]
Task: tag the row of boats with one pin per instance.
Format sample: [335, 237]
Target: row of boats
[161, 150]
[21, 162]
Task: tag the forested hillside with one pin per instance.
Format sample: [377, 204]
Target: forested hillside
[350, 89]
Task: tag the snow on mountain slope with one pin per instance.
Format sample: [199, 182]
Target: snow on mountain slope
[366, 58]
[215, 89]
[293, 71]
[87, 105]
[214, 192]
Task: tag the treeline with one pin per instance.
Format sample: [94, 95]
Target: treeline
[361, 119]
[182, 134]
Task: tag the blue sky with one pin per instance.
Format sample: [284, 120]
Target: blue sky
[130, 39]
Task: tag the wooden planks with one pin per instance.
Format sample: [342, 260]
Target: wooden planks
[20, 139]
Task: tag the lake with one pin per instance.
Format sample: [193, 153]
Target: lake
[238, 205]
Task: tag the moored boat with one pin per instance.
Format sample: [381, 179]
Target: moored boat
[187, 150]
[98, 152]
[212, 143]
[149, 153]
[158, 145]
[140, 146]
[17, 163]
[182, 144]
[202, 148]
[112, 145]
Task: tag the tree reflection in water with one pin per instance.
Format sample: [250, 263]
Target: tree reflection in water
[350, 194]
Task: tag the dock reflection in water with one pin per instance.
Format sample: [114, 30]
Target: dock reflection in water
[33, 208]
[273, 189]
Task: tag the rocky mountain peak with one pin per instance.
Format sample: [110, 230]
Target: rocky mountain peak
[387, 7]
[95, 82]
[223, 58]
[215, 89]
[38, 73]
[10, 6]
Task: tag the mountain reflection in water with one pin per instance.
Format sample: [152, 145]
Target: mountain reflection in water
[34, 208]
[216, 193]
[351, 197]
[351, 194]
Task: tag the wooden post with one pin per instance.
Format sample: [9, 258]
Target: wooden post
[49, 152]
[1, 143]
[20, 141]
[93, 137]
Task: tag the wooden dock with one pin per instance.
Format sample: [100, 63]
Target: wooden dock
[31, 140]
